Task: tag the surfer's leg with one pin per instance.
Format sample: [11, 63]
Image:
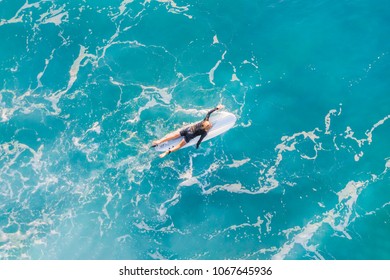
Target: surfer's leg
[167, 137]
[177, 147]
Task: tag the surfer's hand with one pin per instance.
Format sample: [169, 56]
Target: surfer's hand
[163, 154]
[220, 106]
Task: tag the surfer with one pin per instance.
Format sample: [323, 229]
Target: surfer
[189, 133]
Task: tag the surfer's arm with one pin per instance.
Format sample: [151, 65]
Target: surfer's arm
[212, 111]
[203, 135]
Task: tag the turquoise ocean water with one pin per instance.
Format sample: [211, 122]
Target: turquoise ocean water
[86, 86]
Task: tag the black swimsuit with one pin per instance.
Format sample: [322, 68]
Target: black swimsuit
[195, 130]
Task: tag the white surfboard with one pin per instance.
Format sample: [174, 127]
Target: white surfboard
[221, 121]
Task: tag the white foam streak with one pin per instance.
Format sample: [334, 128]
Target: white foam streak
[194, 112]
[157, 256]
[163, 93]
[375, 126]
[123, 5]
[257, 224]
[40, 74]
[189, 178]
[112, 81]
[327, 120]
[172, 7]
[211, 72]
[268, 217]
[350, 192]
[238, 163]
[6, 113]
[55, 17]
[251, 63]
[162, 210]
[73, 72]
[152, 94]
[74, 69]
[95, 128]
[109, 198]
[151, 103]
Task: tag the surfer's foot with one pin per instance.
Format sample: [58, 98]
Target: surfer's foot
[163, 154]
[155, 143]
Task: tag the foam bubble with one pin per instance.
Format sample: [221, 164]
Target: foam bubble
[215, 40]
[234, 78]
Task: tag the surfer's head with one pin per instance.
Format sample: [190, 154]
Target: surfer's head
[206, 125]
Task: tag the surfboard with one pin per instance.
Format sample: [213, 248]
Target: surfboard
[221, 121]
